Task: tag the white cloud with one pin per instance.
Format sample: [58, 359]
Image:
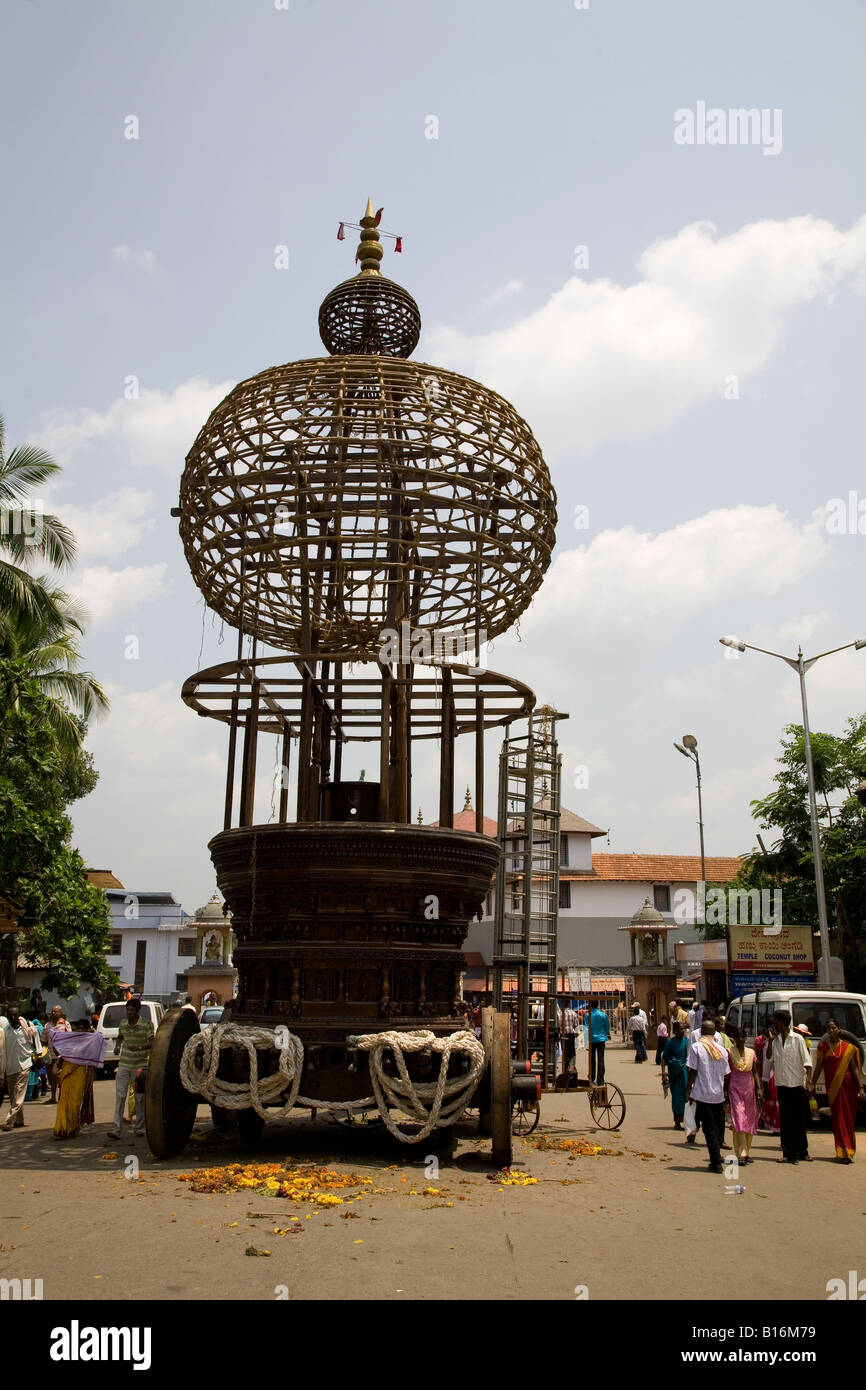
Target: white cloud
[104, 591]
[511, 287]
[136, 260]
[155, 431]
[601, 361]
[159, 796]
[628, 582]
[111, 526]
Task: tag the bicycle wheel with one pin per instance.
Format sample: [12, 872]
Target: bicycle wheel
[607, 1105]
[525, 1118]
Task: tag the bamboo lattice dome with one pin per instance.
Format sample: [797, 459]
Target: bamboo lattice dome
[325, 500]
[370, 314]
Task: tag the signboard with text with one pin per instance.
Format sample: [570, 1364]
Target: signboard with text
[751, 984]
[776, 950]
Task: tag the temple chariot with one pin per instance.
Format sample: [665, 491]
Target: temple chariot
[367, 524]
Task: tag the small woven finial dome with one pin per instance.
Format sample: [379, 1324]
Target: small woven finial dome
[369, 313]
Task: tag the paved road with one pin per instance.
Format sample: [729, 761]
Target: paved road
[606, 1223]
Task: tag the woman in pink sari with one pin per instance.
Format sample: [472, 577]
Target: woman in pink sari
[744, 1093]
[841, 1062]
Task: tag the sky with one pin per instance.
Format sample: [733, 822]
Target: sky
[680, 321]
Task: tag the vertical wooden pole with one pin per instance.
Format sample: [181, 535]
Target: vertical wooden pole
[284, 772]
[385, 747]
[233, 727]
[400, 809]
[338, 715]
[479, 764]
[446, 764]
[230, 772]
[248, 784]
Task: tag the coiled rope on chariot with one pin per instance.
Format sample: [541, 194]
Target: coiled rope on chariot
[432, 1104]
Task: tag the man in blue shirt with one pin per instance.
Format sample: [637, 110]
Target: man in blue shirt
[600, 1035]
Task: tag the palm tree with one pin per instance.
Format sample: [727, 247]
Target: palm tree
[27, 535]
[46, 648]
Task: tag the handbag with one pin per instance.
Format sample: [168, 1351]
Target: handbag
[140, 1082]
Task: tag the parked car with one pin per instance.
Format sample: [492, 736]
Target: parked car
[810, 1006]
[112, 1016]
[212, 1014]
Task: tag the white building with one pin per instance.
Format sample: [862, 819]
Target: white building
[153, 942]
[598, 893]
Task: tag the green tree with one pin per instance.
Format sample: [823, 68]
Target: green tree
[45, 647]
[64, 918]
[27, 533]
[839, 764]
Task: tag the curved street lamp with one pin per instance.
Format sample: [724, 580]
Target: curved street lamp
[689, 749]
[801, 665]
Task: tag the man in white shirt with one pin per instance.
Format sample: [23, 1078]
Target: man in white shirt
[697, 1032]
[637, 1030]
[791, 1062]
[708, 1067]
[695, 1017]
[21, 1045]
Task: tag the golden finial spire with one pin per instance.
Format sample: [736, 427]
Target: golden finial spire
[370, 248]
[467, 805]
[420, 817]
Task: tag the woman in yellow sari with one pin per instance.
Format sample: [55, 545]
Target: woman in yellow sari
[80, 1053]
[841, 1061]
[73, 1085]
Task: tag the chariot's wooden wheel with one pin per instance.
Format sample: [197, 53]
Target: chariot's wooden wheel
[250, 1125]
[169, 1107]
[500, 1090]
[607, 1104]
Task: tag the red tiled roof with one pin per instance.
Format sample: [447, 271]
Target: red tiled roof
[655, 868]
[465, 820]
[568, 821]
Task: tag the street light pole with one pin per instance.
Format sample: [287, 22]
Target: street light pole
[701, 819]
[823, 925]
[689, 749]
[801, 666]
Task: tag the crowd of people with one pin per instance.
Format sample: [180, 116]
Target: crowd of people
[710, 1073]
[49, 1054]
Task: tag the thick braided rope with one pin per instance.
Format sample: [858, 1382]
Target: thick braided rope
[433, 1104]
[242, 1095]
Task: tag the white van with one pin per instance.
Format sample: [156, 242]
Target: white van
[813, 1007]
[110, 1019]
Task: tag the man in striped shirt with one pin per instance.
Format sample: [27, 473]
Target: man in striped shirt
[134, 1041]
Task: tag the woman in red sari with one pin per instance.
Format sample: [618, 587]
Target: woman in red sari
[841, 1061]
[769, 1116]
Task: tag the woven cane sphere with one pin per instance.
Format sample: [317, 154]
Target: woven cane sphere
[372, 315]
[323, 498]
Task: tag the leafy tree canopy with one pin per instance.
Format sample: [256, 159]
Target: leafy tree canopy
[840, 764]
[64, 918]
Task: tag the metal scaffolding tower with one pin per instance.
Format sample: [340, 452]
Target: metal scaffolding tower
[527, 888]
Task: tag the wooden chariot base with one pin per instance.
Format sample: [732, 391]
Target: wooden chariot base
[351, 928]
[342, 929]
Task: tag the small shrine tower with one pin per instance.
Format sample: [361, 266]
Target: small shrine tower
[655, 982]
[212, 979]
